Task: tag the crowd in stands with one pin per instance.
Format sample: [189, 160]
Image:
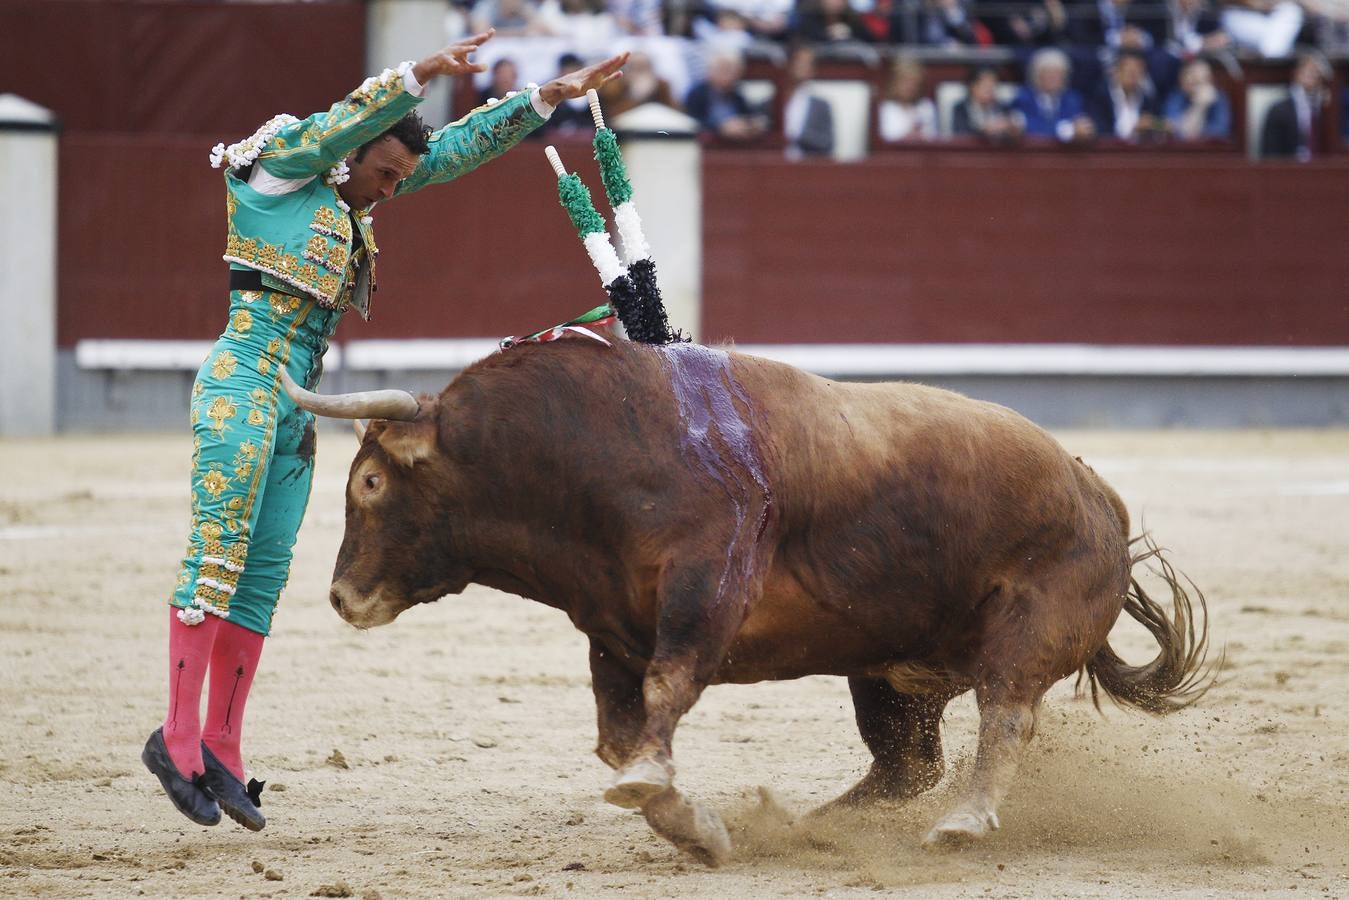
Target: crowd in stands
[1126, 70]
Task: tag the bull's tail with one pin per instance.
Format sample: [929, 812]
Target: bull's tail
[1181, 673]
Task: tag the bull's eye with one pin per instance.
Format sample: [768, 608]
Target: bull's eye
[371, 481]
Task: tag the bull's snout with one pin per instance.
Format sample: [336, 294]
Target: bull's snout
[364, 610]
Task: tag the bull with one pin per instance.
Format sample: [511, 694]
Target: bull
[706, 516]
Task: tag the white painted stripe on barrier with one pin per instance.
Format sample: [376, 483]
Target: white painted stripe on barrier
[847, 360]
[129, 355]
[1054, 359]
[861, 360]
[408, 355]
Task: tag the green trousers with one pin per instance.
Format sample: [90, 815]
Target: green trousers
[252, 458]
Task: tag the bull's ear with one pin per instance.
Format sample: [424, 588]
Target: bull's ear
[409, 443]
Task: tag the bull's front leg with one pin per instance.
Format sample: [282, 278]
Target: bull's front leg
[698, 618]
[619, 710]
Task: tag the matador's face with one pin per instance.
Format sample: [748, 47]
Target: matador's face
[375, 171]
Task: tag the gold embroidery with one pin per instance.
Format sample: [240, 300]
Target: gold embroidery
[255, 417]
[258, 396]
[224, 365]
[222, 409]
[337, 258]
[274, 345]
[215, 483]
[242, 321]
[264, 365]
[232, 509]
[282, 305]
[273, 260]
[250, 296]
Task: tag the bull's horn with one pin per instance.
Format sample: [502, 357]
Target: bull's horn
[388, 404]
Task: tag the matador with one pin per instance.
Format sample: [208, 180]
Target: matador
[301, 251]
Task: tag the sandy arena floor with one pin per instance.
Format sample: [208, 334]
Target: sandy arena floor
[450, 753]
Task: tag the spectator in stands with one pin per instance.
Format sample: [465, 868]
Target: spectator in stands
[1047, 105]
[948, 24]
[639, 18]
[904, 113]
[827, 21]
[505, 78]
[1293, 126]
[981, 113]
[766, 19]
[1194, 28]
[723, 30]
[572, 115]
[1331, 27]
[807, 120]
[1038, 24]
[935, 23]
[587, 24]
[1269, 27]
[1197, 110]
[1115, 24]
[718, 103]
[639, 84]
[1126, 106]
[509, 17]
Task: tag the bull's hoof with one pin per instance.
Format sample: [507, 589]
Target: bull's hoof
[692, 827]
[638, 783]
[961, 828]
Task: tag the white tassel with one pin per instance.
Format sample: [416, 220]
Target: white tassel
[338, 174]
[603, 256]
[245, 152]
[629, 227]
[191, 616]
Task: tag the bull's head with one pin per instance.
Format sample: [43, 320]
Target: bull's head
[398, 549]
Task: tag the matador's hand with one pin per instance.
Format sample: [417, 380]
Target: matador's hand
[575, 84]
[453, 60]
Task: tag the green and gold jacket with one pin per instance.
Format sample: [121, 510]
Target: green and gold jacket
[288, 221]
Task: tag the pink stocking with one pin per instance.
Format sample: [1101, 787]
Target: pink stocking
[189, 654]
[233, 664]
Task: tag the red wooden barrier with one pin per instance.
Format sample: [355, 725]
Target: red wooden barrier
[1101, 247]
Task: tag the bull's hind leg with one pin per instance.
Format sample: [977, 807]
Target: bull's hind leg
[903, 733]
[1006, 722]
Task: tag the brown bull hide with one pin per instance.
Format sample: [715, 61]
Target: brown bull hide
[706, 516]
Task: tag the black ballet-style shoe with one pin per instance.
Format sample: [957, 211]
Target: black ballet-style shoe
[188, 795]
[239, 803]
